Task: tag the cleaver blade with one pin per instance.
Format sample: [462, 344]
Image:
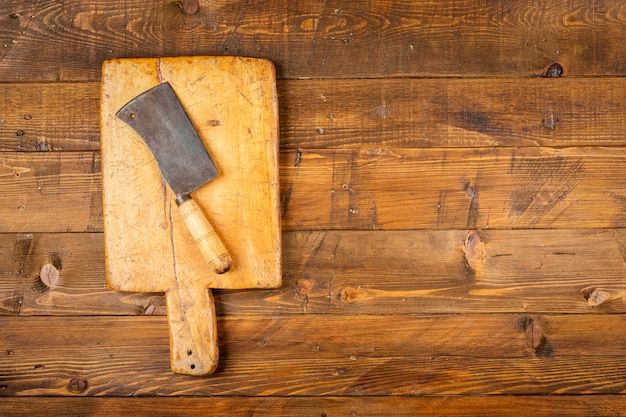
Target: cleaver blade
[160, 120]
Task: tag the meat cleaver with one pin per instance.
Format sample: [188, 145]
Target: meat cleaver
[160, 120]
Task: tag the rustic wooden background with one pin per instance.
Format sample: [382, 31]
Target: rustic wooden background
[453, 187]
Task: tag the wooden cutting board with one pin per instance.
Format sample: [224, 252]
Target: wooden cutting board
[232, 103]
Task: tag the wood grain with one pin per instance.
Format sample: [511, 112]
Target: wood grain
[388, 188]
[54, 191]
[317, 40]
[80, 289]
[365, 188]
[47, 117]
[567, 271]
[451, 195]
[409, 271]
[407, 113]
[469, 354]
[451, 112]
[398, 406]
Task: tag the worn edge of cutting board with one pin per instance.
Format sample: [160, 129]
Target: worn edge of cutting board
[233, 104]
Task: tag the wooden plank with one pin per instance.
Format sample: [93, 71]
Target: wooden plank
[397, 406]
[458, 271]
[371, 272]
[327, 355]
[49, 117]
[348, 113]
[364, 188]
[62, 274]
[478, 335]
[493, 244]
[382, 188]
[50, 191]
[452, 112]
[319, 40]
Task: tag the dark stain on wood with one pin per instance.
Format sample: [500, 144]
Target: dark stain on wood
[23, 248]
[476, 121]
[550, 122]
[298, 158]
[546, 350]
[482, 123]
[380, 112]
[55, 260]
[285, 198]
[38, 286]
[473, 212]
[544, 182]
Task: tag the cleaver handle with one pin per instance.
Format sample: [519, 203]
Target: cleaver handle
[203, 233]
[194, 348]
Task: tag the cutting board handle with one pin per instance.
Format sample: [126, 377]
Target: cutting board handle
[194, 348]
[205, 236]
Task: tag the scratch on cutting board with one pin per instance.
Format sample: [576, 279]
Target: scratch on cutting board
[167, 213]
[158, 71]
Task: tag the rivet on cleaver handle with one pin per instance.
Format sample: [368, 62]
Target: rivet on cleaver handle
[159, 118]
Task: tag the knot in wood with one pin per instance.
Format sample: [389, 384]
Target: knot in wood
[534, 335]
[189, 6]
[595, 296]
[553, 71]
[351, 294]
[78, 384]
[474, 250]
[49, 275]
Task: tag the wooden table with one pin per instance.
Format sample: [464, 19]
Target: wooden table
[453, 193]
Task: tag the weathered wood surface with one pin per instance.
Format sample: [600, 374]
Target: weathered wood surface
[382, 188]
[453, 237]
[403, 113]
[147, 242]
[374, 406]
[50, 117]
[56, 191]
[565, 271]
[68, 40]
[409, 355]
[363, 188]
